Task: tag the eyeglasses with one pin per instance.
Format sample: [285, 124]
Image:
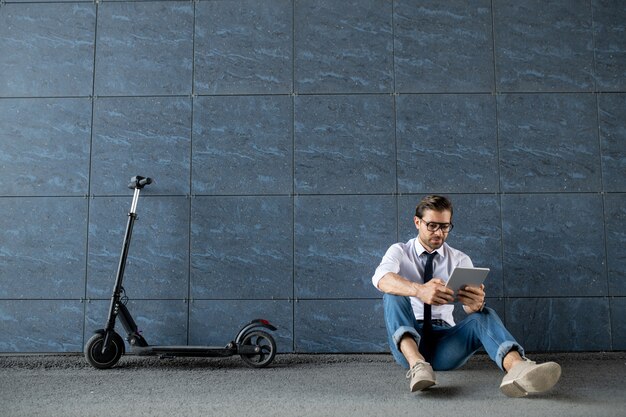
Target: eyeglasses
[433, 226]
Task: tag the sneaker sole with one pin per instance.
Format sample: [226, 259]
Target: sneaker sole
[422, 385]
[540, 379]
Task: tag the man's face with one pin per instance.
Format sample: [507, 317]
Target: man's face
[432, 240]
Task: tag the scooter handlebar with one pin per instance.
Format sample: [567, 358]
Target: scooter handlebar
[138, 182]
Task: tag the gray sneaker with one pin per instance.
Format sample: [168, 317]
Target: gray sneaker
[527, 377]
[421, 375]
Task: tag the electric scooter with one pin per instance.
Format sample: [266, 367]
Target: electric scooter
[256, 347]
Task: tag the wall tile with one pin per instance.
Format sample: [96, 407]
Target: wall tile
[343, 47]
[615, 224]
[241, 48]
[46, 49]
[41, 326]
[551, 50]
[548, 143]
[612, 121]
[149, 136]
[347, 326]
[446, 143]
[618, 325]
[241, 247]
[345, 145]
[44, 146]
[243, 145]
[553, 245]
[340, 241]
[443, 46]
[477, 232]
[42, 247]
[609, 24]
[158, 258]
[144, 48]
[215, 323]
[406, 212]
[560, 324]
[161, 322]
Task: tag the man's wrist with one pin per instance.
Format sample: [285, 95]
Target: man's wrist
[470, 310]
[417, 289]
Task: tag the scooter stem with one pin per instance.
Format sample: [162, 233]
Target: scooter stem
[133, 206]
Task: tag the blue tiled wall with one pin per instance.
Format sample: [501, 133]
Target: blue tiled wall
[289, 141]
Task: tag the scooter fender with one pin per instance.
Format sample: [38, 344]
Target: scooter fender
[253, 325]
[103, 332]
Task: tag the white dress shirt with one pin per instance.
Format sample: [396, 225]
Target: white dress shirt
[408, 260]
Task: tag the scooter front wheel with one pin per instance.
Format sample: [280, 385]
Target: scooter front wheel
[266, 347]
[100, 360]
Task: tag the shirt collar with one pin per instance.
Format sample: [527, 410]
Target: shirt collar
[419, 249]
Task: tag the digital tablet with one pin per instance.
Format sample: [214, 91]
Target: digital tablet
[466, 276]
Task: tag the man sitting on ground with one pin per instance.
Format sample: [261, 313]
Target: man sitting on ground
[418, 309]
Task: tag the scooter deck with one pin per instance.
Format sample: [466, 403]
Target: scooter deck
[193, 351]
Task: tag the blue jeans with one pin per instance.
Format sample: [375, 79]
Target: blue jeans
[448, 347]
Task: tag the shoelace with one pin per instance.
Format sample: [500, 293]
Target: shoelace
[415, 369]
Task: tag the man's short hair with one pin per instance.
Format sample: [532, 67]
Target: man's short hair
[435, 203]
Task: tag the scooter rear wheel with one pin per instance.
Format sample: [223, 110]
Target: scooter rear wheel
[267, 348]
[94, 355]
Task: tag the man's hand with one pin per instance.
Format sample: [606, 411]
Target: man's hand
[472, 298]
[435, 293]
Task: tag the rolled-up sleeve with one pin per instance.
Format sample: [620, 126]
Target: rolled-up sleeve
[390, 263]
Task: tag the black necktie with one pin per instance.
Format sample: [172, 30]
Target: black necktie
[428, 274]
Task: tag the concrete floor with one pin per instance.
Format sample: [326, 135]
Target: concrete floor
[593, 384]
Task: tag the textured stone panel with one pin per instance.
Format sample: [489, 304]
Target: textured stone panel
[443, 46]
[144, 48]
[217, 322]
[609, 25]
[615, 224]
[543, 46]
[161, 322]
[41, 326]
[326, 326]
[560, 324]
[44, 146]
[241, 247]
[148, 136]
[548, 143]
[158, 258]
[42, 247]
[343, 47]
[242, 145]
[339, 241]
[345, 146]
[553, 245]
[446, 144]
[612, 121]
[242, 48]
[47, 49]
[618, 325]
